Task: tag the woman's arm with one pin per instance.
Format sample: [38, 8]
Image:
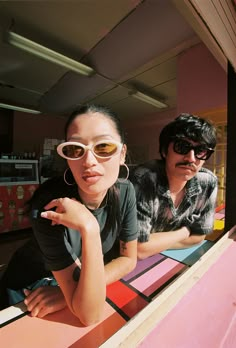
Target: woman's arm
[127, 260]
[124, 264]
[84, 296]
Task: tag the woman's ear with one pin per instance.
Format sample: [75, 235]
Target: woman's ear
[123, 154]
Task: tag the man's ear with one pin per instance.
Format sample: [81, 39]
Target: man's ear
[163, 155]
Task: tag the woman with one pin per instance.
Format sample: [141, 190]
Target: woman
[77, 221]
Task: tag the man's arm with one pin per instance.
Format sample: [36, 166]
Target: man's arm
[164, 240]
[160, 241]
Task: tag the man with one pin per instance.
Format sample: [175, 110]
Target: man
[176, 196]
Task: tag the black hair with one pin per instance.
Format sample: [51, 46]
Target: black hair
[91, 108]
[187, 126]
[113, 218]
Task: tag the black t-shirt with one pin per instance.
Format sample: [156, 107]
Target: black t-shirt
[56, 247]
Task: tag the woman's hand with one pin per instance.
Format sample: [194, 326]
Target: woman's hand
[44, 300]
[86, 297]
[70, 213]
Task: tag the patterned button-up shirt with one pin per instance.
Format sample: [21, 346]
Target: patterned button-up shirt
[156, 211]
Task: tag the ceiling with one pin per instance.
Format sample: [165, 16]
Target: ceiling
[131, 45]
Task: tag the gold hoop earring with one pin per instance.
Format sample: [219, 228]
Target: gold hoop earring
[65, 173]
[127, 172]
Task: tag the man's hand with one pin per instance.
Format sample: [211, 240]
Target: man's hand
[44, 300]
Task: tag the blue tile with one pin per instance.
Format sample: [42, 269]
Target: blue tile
[190, 255]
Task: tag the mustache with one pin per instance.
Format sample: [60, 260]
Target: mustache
[187, 164]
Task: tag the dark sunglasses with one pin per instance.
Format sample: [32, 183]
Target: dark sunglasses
[182, 147]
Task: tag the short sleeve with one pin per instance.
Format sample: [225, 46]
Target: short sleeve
[205, 222]
[129, 226]
[144, 187]
[56, 251]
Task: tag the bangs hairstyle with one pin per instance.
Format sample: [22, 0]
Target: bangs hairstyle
[187, 126]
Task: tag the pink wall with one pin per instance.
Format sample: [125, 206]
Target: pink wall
[201, 86]
[143, 136]
[201, 81]
[29, 131]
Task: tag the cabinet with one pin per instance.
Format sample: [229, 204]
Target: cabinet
[18, 181]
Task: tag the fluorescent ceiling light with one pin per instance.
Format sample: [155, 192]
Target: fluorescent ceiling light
[155, 102]
[47, 54]
[18, 108]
